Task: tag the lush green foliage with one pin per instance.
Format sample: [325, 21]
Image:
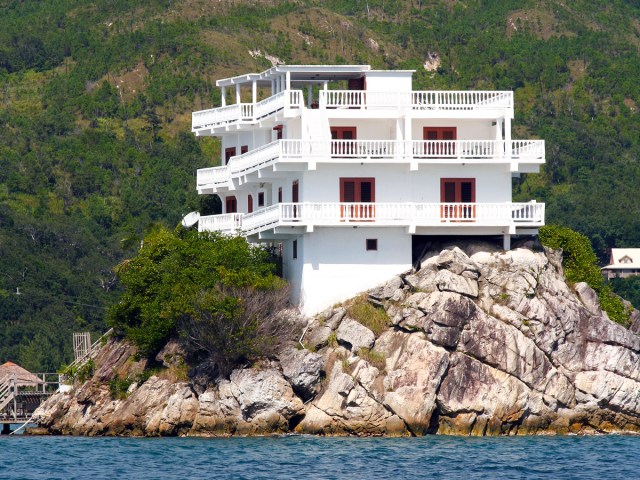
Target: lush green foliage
[179, 277]
[580, 265]
[95, 99]
[628, 288]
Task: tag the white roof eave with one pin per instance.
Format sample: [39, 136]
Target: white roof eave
[280, 69]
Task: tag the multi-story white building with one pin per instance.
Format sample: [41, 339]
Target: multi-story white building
[346, 167]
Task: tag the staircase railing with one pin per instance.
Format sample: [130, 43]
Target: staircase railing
[7, 391]
[91, 353]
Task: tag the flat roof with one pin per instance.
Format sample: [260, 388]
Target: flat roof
[305, 73]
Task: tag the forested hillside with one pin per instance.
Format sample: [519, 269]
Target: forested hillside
[95, 102]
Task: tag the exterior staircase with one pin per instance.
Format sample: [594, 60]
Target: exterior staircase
[7, 392]
[317, 124]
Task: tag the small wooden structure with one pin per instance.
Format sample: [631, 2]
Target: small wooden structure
[21, 392]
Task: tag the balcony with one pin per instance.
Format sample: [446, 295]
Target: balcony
[226, 223]
[411, 215]
[246, 113]
[291, 102]
[373, 151]
[418, 100]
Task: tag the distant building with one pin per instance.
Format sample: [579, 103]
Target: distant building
[624, 262]
[347, 169]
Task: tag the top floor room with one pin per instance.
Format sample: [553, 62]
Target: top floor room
[352, 91]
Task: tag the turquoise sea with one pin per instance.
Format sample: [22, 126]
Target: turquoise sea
[302, 457]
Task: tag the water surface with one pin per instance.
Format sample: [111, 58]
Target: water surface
[303, 457]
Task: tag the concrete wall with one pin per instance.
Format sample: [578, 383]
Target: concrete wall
[388, 81]
[333, 264]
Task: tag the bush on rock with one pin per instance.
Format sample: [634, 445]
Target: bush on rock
[219, 293]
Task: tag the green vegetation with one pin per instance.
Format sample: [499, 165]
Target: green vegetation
[95, 102]
[628, 288]
[81, 373]
[376, 359]
[362, 311]
[216, 291]
[580, 265]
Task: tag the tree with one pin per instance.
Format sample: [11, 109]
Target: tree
[217, 292]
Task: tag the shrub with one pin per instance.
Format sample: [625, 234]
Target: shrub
[219, 290]
[580, 265]
[236, 325]
[376, 359]
[372, 317]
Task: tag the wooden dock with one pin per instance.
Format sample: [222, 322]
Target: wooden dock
[19, 397]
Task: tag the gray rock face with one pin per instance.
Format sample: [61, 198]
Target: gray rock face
[492, 344]
[354, 334]
[302, 369]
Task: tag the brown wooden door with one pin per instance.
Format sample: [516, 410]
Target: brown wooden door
[458, 190]
[439, 133]
[346, 147]
[231, 204]
[228, 153]
[249, 204]
[295, 192]
[358, 190]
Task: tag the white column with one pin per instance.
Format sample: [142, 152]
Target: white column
[309, 95]
[273, 87]
[223, 96]
[506, 242]
[287, 81]
[237, 93]
[499, 123]
[254, 92]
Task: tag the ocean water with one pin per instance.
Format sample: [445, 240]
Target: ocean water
[303, 457]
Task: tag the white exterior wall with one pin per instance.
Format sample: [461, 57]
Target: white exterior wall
[388, 81]
[369, 129]
[395, 184]
[465, 129]
[333, 264]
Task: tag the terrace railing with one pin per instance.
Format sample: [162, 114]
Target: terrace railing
[417, 100]
[379, 214]
[246, 112]
[372, 151]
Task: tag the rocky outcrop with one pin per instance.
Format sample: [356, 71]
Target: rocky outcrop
[487, 344]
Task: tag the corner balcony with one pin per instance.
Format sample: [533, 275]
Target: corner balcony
[289, 102]
[412, 153]
[488, 104]
[285, 219]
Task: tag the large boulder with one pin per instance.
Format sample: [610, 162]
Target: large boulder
[355, 335]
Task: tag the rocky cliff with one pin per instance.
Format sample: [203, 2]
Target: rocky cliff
[487, 344]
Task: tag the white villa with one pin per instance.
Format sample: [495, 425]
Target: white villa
[624, 262]
[344, 168]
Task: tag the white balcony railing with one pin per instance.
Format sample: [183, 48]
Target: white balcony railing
[246, 112]
[373, 150]
[225, 223]
[293, 99]
[417, 100]
[380, 214]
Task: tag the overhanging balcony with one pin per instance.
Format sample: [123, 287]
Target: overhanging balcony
[412, 153]
[247, 113]
[304, 217]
